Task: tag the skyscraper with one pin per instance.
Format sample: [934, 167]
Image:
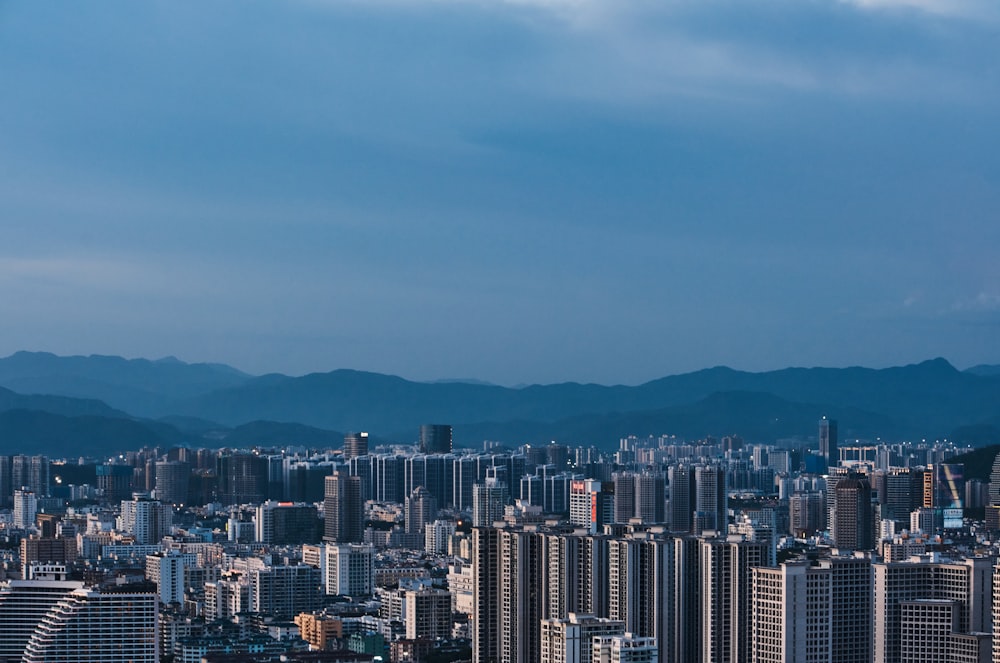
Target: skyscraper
[173, 479]
[147, 520]
[725, 596]
[828, 441]
[488, 501]
[854, 516]
[355, 444]
[343, 508]
[711, 499]
[435, 439]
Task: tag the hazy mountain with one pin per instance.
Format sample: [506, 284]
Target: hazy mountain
[138, 386]
[929, 399]
[926, 399]
[63, 405]
[990, 370]
[33, 431]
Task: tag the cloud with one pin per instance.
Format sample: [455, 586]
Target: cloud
[983, 302]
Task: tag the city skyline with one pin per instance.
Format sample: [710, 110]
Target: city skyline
[535, 191]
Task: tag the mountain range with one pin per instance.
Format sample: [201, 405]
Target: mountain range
[168, 401]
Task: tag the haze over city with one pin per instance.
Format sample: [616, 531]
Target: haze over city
[517, 192]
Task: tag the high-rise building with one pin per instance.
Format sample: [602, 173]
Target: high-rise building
[626, 648]
[904, 607]
[711, 495]
[420, 510]
[828, 442]
[726, 565]
[807, 513]
[25, 508]
[427, 613]
[284, 591]
[591, 504]
[641, 588]
[350, 569]
[682, 485]
[854, 516]
[488, 502]
[571, 640]
[355, 445]
[115, 481]
[243, 478]
[31, 472]
[812, 613]
[87, 625]
[435, 439]
[650, 497]
[624, 483]
[286, 523]
[173, 479]
[344, 510]
[167, 570]
[24, 603]
[147, 520]
[46, 551]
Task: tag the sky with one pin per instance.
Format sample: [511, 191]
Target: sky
[526, 191]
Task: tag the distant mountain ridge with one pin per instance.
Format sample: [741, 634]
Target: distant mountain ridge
[925, 400]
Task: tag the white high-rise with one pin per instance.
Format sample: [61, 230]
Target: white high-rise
[25, 508]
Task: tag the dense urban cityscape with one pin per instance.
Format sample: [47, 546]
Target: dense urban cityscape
[665, 551]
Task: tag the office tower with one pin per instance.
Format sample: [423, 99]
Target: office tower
[427, 613]
[145, 519]
[115, 481]
[641, 588]
[435, 439]
[31, 472]
[626, 648]
[303, 480]
[488, 501]
[854, 517]
[711, 506]
[900, 494]
[173, 479]
[531, 491]
[167, 570]
[350, 569]
[344, 511]
[682, 497]
[284, 591]
[465, 476]
[433, 472]
[284, 523]
[420, 509]
[117, 625]
[242, 478]
[828, 442]
[725, 595]
[899, 589]
[591, 505]
[807, 513]
[571, 640]
[355, 444]
[388, 478]
[25, 509]
[558, 455]
[24, 603]
[944, 491]
[362, 467]
[556, 492]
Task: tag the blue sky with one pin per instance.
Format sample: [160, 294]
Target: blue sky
[531, 191]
